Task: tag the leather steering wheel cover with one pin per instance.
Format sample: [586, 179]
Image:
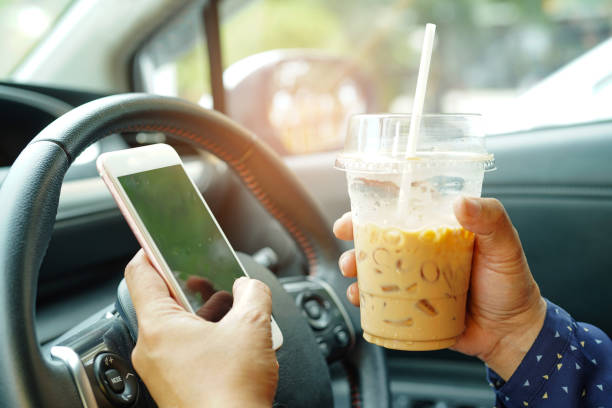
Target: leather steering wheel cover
[276, 188]
[28, 379]
[242, 150]
[35, 178]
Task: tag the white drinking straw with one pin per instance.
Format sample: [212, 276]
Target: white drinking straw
[417, 112]
[421, 88]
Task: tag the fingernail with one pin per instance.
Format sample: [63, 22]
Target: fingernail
[240, 281]
[342, 261]
[472, 206]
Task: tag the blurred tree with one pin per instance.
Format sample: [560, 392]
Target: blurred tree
[274, 24]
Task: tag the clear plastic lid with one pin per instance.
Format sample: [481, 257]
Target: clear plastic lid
[378, 143]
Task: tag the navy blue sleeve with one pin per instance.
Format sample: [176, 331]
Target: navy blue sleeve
[569, 365]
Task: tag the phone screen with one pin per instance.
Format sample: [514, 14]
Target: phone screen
[187, 236]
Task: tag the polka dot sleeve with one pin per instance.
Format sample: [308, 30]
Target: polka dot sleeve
[569, 365]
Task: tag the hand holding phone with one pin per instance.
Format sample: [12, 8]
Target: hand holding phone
[186, 361]
[175, 227]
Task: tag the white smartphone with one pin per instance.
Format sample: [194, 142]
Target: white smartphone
[175, 227]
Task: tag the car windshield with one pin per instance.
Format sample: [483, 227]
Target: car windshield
[23, 23]
[487, 56]
[522, 64]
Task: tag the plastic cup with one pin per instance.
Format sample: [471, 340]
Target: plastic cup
[413, 257]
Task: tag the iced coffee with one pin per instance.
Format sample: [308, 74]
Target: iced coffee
[413, 285]
[413, 257]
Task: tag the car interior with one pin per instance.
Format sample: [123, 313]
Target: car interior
[254, 95]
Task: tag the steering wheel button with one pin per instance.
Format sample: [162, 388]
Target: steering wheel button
[128, 398]
[114, 380]
[342, 337]
[313, 309]
[324, 347]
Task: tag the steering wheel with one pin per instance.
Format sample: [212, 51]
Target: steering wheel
[29, 200]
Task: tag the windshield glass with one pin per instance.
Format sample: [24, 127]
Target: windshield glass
[487, 53]
[23, 23]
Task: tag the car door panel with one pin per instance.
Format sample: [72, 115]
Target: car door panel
[556, 185]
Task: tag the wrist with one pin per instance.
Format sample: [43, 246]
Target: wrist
[233, 402]
[245, 402]
[512, 346]
[237, 398]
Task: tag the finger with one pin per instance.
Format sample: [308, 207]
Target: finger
[495, 234]
[343, 227]
[252, 300]
[348, 264]
[200, 285]
[216, 307]
[144, 283]
[352, 293]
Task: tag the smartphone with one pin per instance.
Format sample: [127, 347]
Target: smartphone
[176, 228]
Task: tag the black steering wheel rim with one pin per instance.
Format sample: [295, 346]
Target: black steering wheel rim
[30, 196]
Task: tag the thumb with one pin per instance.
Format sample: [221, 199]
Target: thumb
[145, 285]
[496, 237]
[252, 301]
